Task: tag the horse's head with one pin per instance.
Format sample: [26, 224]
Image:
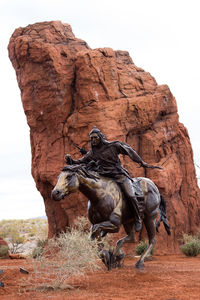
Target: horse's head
[67, 183]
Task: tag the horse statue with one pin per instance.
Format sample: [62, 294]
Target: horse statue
[108, 209]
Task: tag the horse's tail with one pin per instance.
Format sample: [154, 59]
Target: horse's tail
[163, 217]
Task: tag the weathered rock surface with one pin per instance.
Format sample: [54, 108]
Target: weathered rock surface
[67, 88]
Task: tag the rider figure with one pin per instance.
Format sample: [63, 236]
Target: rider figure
[104, 159]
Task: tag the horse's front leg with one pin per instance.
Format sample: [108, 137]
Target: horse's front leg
[109, 257]
[112, 225]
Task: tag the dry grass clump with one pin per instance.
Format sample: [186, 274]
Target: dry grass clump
[70, 254]
[82, 224]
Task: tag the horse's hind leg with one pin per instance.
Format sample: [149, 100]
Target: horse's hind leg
[151, 231]
[118, 254]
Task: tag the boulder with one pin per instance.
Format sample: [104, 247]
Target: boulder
[4, 249]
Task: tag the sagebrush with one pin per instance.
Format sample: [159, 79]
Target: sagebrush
[3, 251]
[191, 245]
[142, 247]
[70, 254]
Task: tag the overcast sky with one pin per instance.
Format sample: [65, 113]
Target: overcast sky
[162, 37]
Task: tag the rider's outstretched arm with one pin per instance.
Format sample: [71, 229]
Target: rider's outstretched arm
[125, 149]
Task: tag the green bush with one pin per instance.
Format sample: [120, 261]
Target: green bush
[142, 247]
[13, 237]
[3, 251]
[191, 246]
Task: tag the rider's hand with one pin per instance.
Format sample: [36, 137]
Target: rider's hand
[144, 165]
[83, 151]
[68, 159]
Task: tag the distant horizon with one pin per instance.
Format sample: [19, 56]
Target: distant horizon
[42, 217]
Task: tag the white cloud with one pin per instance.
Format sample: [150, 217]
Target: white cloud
[20, 199]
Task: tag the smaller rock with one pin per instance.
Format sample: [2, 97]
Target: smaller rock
[24, 271]
[17, 256]
[1, 284]
[4, 249]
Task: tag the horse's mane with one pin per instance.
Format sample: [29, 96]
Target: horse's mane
[72, 168]
[82, 168]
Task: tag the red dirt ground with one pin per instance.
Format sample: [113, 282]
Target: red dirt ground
[165, 278]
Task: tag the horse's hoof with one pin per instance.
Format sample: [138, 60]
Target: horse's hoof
[92, 237]
[96, 230]
[103, 233]
[139, 265]
[148, 258]
[105, 257]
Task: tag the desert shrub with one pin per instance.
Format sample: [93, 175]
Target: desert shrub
[33, 227]
[191, 245]
[40, 229]
[142, 247]
[17, 232]
[32, 231]
[39, 249]
[3, 251]
[30, 227]
[14, 239]
[82, 224]
[70, 254]
[198, 235]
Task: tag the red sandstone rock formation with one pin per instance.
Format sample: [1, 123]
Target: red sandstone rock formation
[67, 88]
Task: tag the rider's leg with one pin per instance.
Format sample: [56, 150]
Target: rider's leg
[129, 192]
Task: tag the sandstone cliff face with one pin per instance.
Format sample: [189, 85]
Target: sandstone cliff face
[67, 88]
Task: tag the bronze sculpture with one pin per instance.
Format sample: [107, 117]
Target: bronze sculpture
[107, 207]
[104, 159]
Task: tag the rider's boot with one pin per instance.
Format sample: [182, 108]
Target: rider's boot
[138, 222]
[127, 188]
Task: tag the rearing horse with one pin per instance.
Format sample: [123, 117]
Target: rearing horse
[107, 208]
